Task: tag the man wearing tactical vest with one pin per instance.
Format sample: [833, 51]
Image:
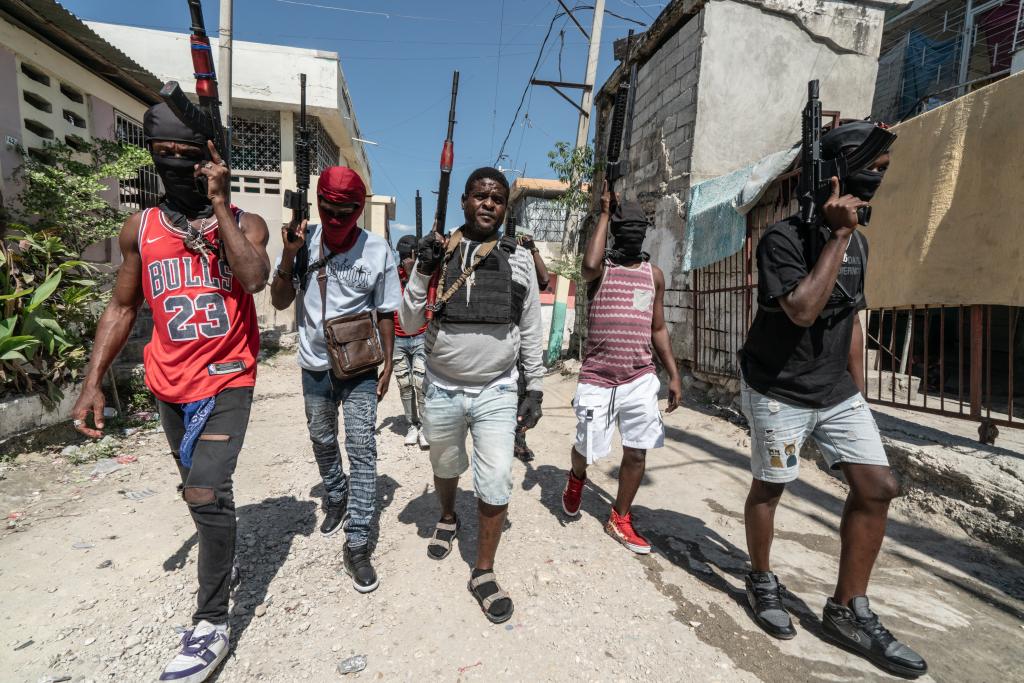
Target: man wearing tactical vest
[486, 314]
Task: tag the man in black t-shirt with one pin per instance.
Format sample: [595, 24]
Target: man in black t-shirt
[803, 377]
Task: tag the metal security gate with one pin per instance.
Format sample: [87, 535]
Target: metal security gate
[725, 292]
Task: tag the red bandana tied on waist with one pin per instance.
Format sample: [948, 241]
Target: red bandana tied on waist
[341, 185]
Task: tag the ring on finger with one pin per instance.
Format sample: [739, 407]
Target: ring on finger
[78, 423]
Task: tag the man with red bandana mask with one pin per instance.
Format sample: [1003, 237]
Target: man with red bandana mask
[362, 276]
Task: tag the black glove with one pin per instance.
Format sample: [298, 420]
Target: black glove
[529, 410]
[508, 243]
[526, 242]
[428, 254]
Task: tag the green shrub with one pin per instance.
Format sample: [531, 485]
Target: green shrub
[50, 299]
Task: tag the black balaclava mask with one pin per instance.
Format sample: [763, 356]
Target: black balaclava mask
[628, 227]
[862, 184]
[185, 193]
[406, 247]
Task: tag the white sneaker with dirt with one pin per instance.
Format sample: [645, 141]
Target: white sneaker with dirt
[203, 648]
[423, 439]
[411, 435]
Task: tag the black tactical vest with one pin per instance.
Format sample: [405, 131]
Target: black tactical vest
[490, 295]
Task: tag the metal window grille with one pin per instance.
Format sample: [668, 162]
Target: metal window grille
[938, 51]
[142, 191]
[543, 218]
[255, 140]
[324, 152]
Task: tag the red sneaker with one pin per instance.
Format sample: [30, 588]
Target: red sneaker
[572, 495]
[621, 529]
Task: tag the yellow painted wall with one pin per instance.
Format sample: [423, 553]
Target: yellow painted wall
[948, 223]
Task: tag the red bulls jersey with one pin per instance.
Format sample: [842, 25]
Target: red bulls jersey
[205, 335]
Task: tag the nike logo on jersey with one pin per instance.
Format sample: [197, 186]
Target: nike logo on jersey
[150, 241]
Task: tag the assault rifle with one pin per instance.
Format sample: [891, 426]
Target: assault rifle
[298, 201]
[204, 119]
[447, 159]
[621, 124]
[419, 215]
[816, 174]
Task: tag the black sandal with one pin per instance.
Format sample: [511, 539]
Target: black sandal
[475, 583]
[443, 538]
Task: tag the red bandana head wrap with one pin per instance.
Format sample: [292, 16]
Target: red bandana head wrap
[341, 185]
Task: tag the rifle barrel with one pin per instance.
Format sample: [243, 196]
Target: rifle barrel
[419, 215]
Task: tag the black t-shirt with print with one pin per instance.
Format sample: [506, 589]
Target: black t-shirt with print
[805, 366]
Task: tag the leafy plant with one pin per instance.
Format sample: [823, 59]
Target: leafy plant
[574, 167]
[63, 188]
[569, 266]
[49, 297]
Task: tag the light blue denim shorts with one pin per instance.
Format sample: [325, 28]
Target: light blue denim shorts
[490, 418]
[845, 433]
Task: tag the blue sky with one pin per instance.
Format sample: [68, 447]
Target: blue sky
[398, 56]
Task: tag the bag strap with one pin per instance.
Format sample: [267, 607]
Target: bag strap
[482, 252]
[321, 278]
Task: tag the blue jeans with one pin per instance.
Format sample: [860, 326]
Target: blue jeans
[845, 433]
[490, 417]
[410, 362]
[323, 393]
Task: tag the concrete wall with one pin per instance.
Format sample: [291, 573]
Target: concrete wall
[664, 122]
[756, 60]
[18, 47]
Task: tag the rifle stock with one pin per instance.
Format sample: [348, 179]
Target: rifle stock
[298, 201]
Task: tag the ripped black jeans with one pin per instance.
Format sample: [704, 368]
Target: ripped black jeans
[207, 488]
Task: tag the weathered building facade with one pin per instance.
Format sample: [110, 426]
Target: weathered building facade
[721, 84]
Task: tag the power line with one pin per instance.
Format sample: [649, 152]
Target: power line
[639, 7]
[533, 72]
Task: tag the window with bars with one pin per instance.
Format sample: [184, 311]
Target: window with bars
[541, 217]
[324, 152]
[143, 191]
[255, 140]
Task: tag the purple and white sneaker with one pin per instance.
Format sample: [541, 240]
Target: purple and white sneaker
[203, 648]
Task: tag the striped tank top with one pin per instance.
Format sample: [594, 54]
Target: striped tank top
[619, 345]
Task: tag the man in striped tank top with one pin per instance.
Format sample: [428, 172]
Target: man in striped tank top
[618, 383]
[196, 260]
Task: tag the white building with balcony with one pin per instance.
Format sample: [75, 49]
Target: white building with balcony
[264, 115]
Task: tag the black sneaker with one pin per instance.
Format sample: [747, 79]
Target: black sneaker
[764, 593]
[857, 629]
[334, 516]
[357, 565]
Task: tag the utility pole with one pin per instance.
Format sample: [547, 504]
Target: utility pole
[573, 220]
[224, 57]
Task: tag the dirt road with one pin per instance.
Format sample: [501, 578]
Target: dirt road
[95, 584]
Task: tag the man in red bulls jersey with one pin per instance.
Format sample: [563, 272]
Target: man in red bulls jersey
[618, 383]
[196, 260]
